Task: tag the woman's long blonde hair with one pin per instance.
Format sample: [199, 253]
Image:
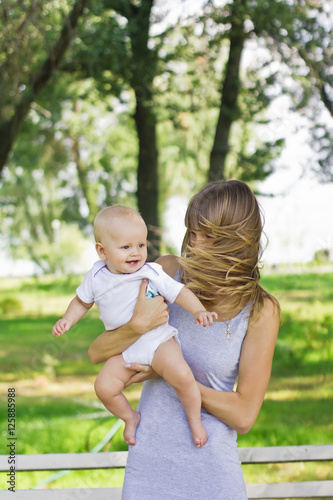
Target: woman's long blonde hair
[227, 272]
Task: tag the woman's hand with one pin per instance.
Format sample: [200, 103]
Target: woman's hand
[148, 313]
[143, 372]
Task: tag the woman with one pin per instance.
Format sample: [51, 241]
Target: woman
[220, 264]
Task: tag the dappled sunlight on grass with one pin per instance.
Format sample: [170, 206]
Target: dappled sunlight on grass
[292, 388]
[41, 385]
[45, 295]
[307, 296]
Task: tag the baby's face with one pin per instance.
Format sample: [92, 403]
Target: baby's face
[125, 245]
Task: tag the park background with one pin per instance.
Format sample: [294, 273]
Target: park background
[143, 102]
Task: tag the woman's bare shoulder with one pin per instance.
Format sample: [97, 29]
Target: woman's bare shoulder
[169, 263]
[269, 319]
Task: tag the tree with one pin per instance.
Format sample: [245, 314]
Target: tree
[293, 32]
[62, 135]
[135, 103]
[243, 98]
[120, 59]
[229, 111]
[299, 35]
[24, 91]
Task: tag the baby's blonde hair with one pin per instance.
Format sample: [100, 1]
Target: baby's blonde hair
[227, 271]
[109, 213]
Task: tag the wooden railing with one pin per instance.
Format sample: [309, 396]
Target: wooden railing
[113, 460]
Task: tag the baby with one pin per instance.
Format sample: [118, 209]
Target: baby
[113, 284]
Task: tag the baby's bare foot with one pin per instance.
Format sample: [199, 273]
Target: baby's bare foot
[130, 428]
[199, 442]
[199, 434]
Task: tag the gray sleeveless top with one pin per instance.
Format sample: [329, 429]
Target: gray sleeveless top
[165, 464]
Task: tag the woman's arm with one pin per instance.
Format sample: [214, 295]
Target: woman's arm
[240, 409]
[148, 314]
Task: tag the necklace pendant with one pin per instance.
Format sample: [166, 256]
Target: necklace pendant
[228, 332]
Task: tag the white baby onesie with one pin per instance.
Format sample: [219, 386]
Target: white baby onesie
[116, 295]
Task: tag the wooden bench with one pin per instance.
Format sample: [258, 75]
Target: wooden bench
[113, 460]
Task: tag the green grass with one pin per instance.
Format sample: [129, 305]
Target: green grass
[60, 425]
[57, 410]
[308, 295]
[31, 348]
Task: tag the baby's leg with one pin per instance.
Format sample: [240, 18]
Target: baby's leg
[108, 386]
[168, 362]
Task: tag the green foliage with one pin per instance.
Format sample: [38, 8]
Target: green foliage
[321, 256]
[102, 50]
[54, 183]
[301, 34]
[27, 29]
[78, 149]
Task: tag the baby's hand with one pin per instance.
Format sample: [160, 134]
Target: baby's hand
[61, 326]
[204, 318]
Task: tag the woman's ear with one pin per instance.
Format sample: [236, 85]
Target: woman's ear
[100, 250]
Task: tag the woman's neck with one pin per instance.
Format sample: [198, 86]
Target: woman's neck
[224, 312]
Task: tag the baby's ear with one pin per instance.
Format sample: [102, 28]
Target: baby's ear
[100, 250]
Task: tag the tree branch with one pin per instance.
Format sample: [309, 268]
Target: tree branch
[319, 82]
[124, 7]
[10, 128]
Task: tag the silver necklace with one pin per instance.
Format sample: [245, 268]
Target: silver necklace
[228, 331]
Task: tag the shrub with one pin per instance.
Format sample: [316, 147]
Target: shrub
[10, 305]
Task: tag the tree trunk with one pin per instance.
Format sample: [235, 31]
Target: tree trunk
[143, 72]
[147, 175]
[10, 129]
[230, 90]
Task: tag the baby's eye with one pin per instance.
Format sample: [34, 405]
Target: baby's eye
[142, 245]
[125, 247]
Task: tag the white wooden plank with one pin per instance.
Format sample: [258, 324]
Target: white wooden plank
[69, 494]
[60, 461]
[306, 489]
[277, 454]
[105, 460]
